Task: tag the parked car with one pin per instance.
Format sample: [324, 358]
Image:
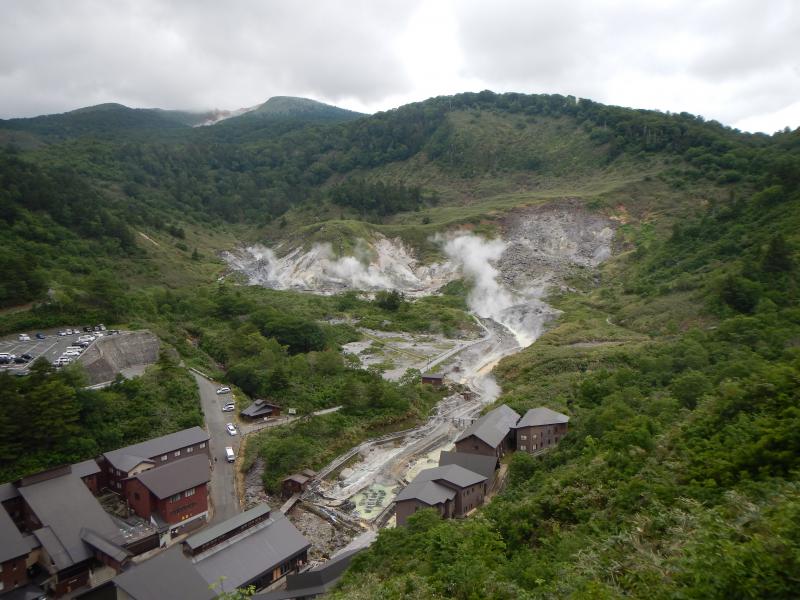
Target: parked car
[229, 407]
[40, 336]
[27, 356]
[70, 331]
[102, 327]
[62, 333]
[231, 428]
[24, 337]
[229, 454]
[20, 360]
[224, 390]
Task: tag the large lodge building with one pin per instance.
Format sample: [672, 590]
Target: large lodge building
[465, 476]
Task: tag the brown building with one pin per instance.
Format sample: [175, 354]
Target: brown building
[297, 483]
[261, 409]
[255, 547]
[119, 465]
[435, 379]
[89, 472]
[14, 551]
[540, 429]
[174, 497]
[63, 529]
[452, 490]
[492, 434]
[477, 463]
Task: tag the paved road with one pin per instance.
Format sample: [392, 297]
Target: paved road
[223, 488]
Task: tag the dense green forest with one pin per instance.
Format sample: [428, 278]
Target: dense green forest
[49, 418]
[678, 362]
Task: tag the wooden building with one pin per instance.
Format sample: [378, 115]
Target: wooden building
[492, 434]
[434, 379]
[173, 497]
[296, 483]
[540, 429]
[118, 465]
[451, 490]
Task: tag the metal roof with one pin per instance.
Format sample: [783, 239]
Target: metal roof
[64, 505]
[98, 542]
[176, 476]
[258, 408]
[452, 474]
[211, 533]
[541, 416]
[128, 457]
[252, 553]
[477, 463]
[313, 582]
[12, 542]
[429, 492]
[168, 575]
[86, 468]
[301, 479]
[432, 375]
[493, 426]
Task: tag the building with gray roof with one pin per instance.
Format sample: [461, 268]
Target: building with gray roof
[492, 434]
[177, 476]
[257, 556]
[540, 430]
[541, 416]
[314, 582]
[477, 463]
[64, 506]
[12, 542]
[118, 465]
[168, 575]
[261, 409]
[71, 533]
[451, 489]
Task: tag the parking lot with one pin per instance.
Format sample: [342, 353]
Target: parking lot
[51, 347]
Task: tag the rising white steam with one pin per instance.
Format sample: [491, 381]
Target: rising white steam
[384, 265]
[524, 314]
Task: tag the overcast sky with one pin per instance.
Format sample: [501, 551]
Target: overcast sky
[734, 61]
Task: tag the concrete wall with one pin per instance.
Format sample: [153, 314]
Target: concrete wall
[110, 354]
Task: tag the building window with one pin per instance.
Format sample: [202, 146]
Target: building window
[523, 437]
[163, 457]
[188, 493]
[175, 498]
[189, 449]
[119, 485]
[203, 445]
[177, 452]
[523, 447]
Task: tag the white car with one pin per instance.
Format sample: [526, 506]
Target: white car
[71, 353]
[223, 390]
[24, 337]
[229, 407]
[62, 333]
[231, 428]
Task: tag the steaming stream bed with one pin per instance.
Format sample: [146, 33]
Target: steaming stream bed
[510, 277]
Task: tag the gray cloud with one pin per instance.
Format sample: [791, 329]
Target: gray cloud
[737, 62]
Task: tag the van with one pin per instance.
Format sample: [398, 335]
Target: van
[229, 455]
